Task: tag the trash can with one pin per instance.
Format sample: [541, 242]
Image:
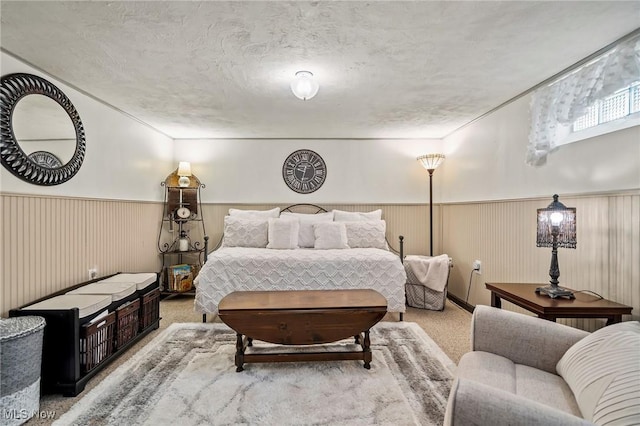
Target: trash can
[20, 363]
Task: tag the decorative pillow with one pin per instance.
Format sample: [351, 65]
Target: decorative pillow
[245, 232]
[306, 237]
[342, 216]
[367, 234]
[330, 235]
[283, 233]
[255, 214]
[603, 372]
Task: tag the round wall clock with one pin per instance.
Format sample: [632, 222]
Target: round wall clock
[304, 171]
[45, 159]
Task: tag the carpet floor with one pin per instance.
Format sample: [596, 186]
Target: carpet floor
[448, 328]
[186, 376]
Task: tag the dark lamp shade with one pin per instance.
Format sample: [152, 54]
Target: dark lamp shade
[565, 229]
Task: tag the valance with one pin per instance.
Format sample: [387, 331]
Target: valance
[556, 106]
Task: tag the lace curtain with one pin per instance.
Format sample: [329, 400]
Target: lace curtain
[555, 107]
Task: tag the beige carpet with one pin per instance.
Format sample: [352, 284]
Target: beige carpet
[448, 328]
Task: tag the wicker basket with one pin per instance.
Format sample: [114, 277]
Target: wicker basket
[127, 319]
[420, 296]
[149, 308]
[96, 342]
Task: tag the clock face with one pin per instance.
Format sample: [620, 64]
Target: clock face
[45, 159]
[183, 213]
[304, 171]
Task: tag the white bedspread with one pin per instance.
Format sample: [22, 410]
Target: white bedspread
[236, 268]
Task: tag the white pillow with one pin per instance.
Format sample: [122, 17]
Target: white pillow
[306, 237]
[245, 232]
[283, 233]
[367, 234]
[603, 372]
[330, 235]
[255, 214]
[342, 216]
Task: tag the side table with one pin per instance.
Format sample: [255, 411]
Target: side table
[583, 306]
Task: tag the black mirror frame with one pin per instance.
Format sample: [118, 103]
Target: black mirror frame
[13, 88]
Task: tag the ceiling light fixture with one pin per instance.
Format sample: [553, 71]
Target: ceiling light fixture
[304, 86]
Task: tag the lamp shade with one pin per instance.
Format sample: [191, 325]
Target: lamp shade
[304, 86]
[556, 219]
[184, 168]
[431, 161]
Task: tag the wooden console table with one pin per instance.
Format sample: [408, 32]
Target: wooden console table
[583, 306]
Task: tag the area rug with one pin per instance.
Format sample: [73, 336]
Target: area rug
[186, 376]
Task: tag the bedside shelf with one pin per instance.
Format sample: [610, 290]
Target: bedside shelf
[181, 226]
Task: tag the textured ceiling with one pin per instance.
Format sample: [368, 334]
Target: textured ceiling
[418, 69]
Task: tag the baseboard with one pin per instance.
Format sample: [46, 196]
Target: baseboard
[464, 305]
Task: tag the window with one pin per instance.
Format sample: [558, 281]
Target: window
[622, 103]
[585, 92]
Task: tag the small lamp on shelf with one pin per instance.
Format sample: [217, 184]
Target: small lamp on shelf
[184, 171]
[556, 228]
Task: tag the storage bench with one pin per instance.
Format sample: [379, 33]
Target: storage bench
[90, 324]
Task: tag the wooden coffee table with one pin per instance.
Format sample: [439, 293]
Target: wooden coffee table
[583, 306]
[305, 317]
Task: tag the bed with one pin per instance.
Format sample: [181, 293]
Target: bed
[249, 267]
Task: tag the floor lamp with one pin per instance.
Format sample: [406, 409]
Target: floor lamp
[431, 163]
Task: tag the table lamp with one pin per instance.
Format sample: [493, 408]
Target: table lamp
[556, 228]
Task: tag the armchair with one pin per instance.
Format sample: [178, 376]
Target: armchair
[524, 370]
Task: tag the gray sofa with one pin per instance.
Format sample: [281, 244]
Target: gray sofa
[527, 371]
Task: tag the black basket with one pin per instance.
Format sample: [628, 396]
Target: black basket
[127, 318]
[150, 308]
[96, 342]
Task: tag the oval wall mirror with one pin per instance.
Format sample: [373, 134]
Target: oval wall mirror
[42, 137]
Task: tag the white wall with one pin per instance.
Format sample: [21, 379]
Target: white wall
[358, 171]
[124, 159]
[486, 161]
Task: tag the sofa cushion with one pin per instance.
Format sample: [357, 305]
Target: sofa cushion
[603, 371]
[531, 383]
[484, 367]
[545, 388]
